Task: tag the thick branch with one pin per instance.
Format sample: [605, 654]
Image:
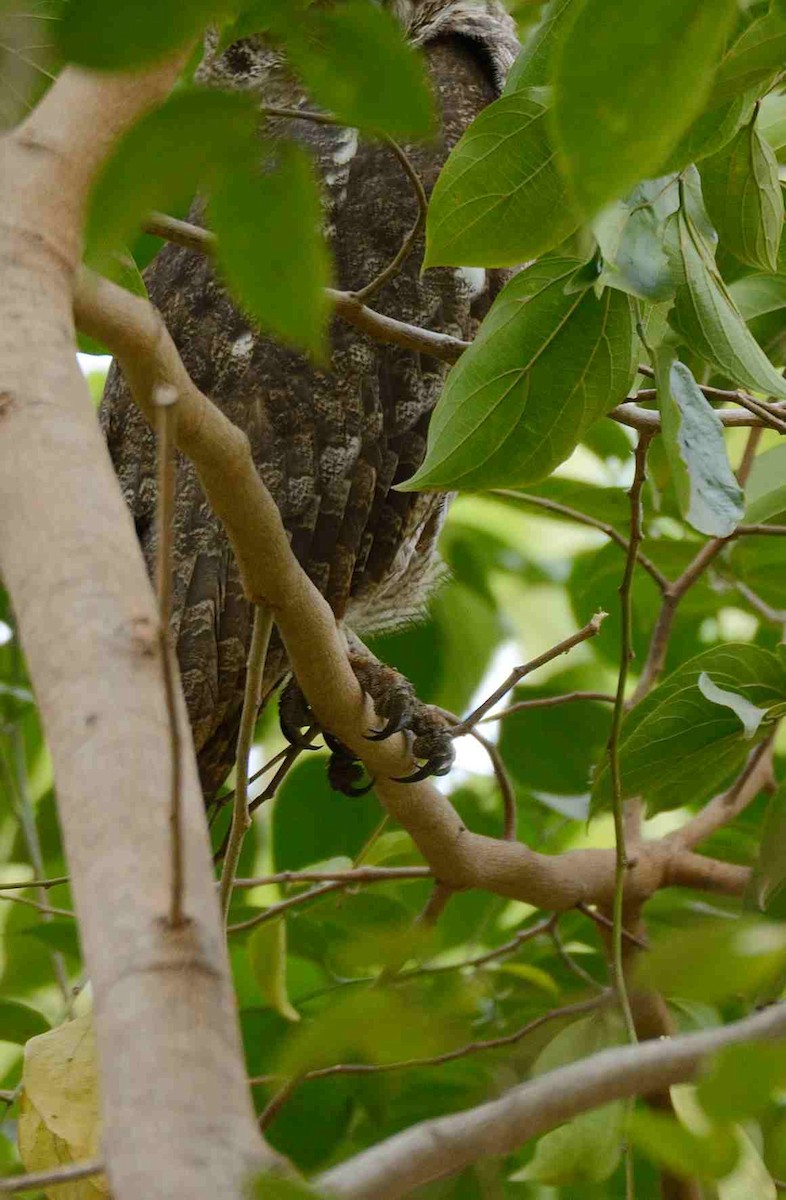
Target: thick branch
[88, 622]
[447, 1145]
[130, 326]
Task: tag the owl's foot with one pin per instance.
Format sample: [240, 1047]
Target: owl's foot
[396, 704]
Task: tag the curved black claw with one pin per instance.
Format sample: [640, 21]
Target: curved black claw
[396, 724]
[294, 714]
[439, 765]
[345, 772]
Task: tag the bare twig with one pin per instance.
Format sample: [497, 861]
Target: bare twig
[646, 421]
[47, 910]
[165, 399]
[501, 775]
[363, 294]
[626, 655]
[570, 962]
[590, 630]
[748, 456]
[548, 702]
[757, 774]
[275, 910]
[601, 919]
[575, 514]
[352, 878]
[438, 1060]
[35, 883]
[241, 817]
[37, 1180]
[760, 531]
[776, 616]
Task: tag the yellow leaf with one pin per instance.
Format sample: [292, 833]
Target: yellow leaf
[59, 1118]
[267, 954]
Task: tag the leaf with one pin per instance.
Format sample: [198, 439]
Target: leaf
[59, 1117]
[499, 199]
[676, 745]
[636, 260]
[28, 55]
[715, 960]
[741, 1080]
[757, 294]
[162, 159]
[19, 1022]
[711, 131]
[136, 34]
[615, 127]
[532, 68]
[750, 716]
[743, 197]
[765, 489]
[59, 934]
[270, 246]
[273, 1187]
[343, 827]
[691, 1155]
[770, 871]
[588, 1148]
[709, 495]
[705, 317]
[355, 62]
[267, 953]
[753, 60]
[547, 362]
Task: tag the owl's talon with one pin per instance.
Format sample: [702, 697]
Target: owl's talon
[294, 714]
[440, 765]
[394, 725]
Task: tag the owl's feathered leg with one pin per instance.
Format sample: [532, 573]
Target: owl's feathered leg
[395, 703]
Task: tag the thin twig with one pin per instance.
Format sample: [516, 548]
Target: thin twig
[759, 407]
[644, 420]
[165, 399]
[756, 775]
[776, 616]
[575, 514]
[365, 293]
[35, 883]
[760, 531]
[46, 910]
[590, 630]
[601, 919]
[275, 910]
[515, 943]
[350, 878]
[501, 775]
[626, 655]
[548, 702]
[570, 962]
[438, 1060]
[37, 1180]
[241, 817]
[748, 456]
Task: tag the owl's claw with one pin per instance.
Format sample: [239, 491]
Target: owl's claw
[439, 765]
[294, 714]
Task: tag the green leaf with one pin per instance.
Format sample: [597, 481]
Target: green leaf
[59, 934]
[770, 871]
[273, 1187]
[134, 33]
[743, 198]
[28, 55]
[765, 489]
[499, 199]
[267, 953]
[676, 745]
[162, 159]
[343, 826]
[270, 246]
[631, 239]
[19, 1022]
[532, 68]
[750, 716]
[547, 362]
[616, 126]
[752, 61]
[715, 960]
[757, 294]
[705, 317]
[709, 496]
[758, 562]
[691, 1155]
[355, 62]
[588, 1148]
[711, 131]
[741, 1080]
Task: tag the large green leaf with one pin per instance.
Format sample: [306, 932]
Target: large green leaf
[752, 60]
[704, 316]
[189, 140]
[677, 745]
[499, 200]
[715, 960]
[615, 123]
[532, 68]
[765, 490]
[550, 359]
[630, 234]
[132, 34]
[682, 1152]
[586, 1149]
[29, 58]
[710, 498]
[311, 822]
[19, 1022]
[743, 197]
[355, 61]
[757, 294]
[270, 245]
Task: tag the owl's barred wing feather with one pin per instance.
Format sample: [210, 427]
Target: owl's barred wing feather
[329, 443]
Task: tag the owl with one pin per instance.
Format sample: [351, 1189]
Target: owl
[332, 441]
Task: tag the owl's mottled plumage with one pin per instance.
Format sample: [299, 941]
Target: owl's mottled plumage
[330, 444]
